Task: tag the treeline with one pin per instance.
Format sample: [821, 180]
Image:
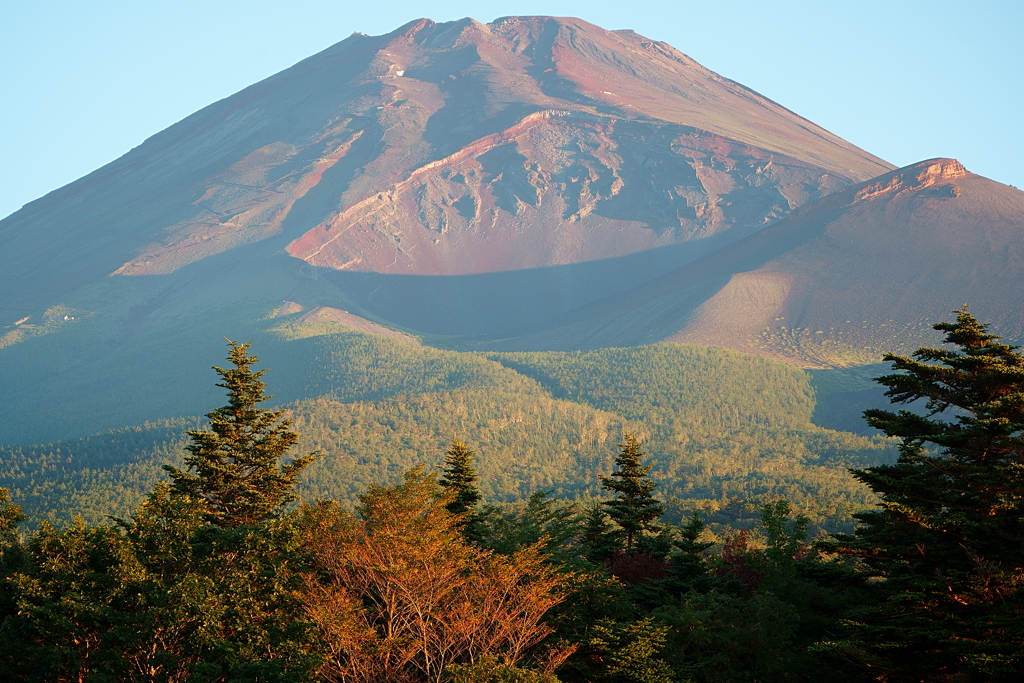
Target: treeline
[214, 577]
[727, 432]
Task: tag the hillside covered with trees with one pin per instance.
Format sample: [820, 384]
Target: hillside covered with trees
[216, 575]
[726, 431]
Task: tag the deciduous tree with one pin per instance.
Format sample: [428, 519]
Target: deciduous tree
[400, 595]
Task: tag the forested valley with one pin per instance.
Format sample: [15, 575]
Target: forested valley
[726, 432]
[573, 517]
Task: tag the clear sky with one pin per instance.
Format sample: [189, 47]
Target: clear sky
[83, 82]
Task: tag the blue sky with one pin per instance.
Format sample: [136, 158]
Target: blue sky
[84, 82]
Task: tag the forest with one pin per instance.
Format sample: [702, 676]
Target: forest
[242, 551]
[726, 432]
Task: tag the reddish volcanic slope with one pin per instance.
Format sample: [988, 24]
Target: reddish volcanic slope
[841, 280]
[445, 150]
[661, 152]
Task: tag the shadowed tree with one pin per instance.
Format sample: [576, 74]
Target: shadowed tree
[597, 542]
[949, 535]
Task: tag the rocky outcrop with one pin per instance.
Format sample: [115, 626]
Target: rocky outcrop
[915, 178]
[612, 186]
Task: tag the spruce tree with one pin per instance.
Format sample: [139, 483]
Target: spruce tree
[633, 508]
[688, 567]
[10, 517]
[245, 550]
[460, 478]
[597, 543]
[948, 537]
[235, 468]
[13, 558]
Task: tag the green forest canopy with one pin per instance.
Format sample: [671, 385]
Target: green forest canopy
[725, 431]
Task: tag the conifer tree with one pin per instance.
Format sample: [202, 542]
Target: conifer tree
[245, 619]
[13, 558]
[949, 535]
[688, 566]
[633, 509]
[199, 584]
[460, 478]
[597, 543]
[10, 517]
[235, 467]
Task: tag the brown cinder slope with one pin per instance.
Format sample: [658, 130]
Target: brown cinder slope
[440, 151]
[841, 280]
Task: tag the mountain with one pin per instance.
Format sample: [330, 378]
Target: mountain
[535, 183]
[495, 175]
[838, 282]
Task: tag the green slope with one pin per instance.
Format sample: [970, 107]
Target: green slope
[723, 429]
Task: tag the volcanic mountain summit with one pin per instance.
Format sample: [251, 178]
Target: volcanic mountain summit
[446, 150]
[474, 184]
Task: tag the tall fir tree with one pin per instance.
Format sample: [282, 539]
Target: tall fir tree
[460, 478]
[633, 508]
[689, 567]
[236, 467]
[225, 513]
[200, 583]
[240, 568]
[948, 537]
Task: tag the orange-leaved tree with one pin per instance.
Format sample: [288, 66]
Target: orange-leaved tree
[399, 595]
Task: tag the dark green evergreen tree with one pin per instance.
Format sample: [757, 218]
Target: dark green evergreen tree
[551, 522]
[10, 517]
[75, 591]
[688, 566]
[247, 553]
[948, 537]
[597, 541]
[633, 508]
[460, 478]
[616, 652]
[13, 558]
[201, 583]
[236, 467]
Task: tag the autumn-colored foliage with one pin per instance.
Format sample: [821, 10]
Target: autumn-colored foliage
[736, 562]
[638, 568]
[400, 595]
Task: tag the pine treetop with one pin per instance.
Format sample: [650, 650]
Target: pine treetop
[633, 508]
[235, 467]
